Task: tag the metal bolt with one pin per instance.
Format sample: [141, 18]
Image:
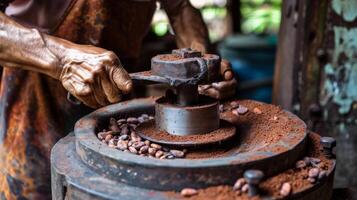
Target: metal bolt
[328, 143]
[253, 178]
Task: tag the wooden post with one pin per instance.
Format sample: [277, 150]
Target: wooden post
[317, 53]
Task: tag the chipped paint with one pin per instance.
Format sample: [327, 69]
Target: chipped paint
[340, 74]
[346, 9]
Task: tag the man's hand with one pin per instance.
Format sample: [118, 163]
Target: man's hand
[224, 89]
[94, 76]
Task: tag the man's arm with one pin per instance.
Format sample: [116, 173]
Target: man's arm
[94, 75]
[190, 29]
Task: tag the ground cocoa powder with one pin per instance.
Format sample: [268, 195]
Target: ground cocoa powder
[269, 187]
[170, 57]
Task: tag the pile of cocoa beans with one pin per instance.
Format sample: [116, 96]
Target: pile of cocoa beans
[121, 134]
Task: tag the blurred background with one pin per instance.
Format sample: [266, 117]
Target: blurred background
[241, 31]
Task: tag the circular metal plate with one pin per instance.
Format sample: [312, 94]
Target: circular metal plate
[249, 150]
[222, 134]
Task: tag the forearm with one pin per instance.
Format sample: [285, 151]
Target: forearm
[25, 48]
[187, 22]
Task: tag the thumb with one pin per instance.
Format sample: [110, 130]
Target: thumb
[121, 79]
[226, 70]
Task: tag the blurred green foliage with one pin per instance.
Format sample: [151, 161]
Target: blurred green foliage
[260, 16]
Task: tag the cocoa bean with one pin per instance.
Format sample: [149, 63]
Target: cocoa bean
[314, 172]
[234, 104]
[245, 188]
[152, 151]
[133, 126]
[257, 111]
[111, 145]
[315, 160]
[108, 137]
[242, 110]
[133, 150]
[124, 130]
[285, 189]
[102, 135]
[147, 142]
[114, 126]
[159, 153]
[300, 164]
[189, 192]
[138, 145]
[121, 121]
[132, 120]
[143, 149]
[239, 184]
[141, 119]
[122, 145]
[311, 180]
[156, 146]
[177, 153]
[123, 137]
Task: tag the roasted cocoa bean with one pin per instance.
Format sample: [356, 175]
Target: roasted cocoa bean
[239, 184]
[132, 120]
[133, 150]
[144, 149]
[314, 172]
[300, 164]
[177, 153]
[152, 151]
[285, 189]
[156, 146]
[121, 121]
[138, 145]
[108, 137]
[188, 192]
[245, 188]
[124, 130]
[242, 110]
[257, 111]
[311, 180]
[123, 137]
[122, 145]
[159, 153]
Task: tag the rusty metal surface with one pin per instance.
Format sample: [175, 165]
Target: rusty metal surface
[156, 174]
[72, 179]
[230, 131]
[178, 120]
[319, 55]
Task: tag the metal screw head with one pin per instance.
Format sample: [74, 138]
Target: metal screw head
[328, 142]
[253, 177]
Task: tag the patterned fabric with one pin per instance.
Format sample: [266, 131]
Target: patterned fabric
[34, 112]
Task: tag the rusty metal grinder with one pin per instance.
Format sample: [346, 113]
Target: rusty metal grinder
[85, 168]
[271, 148]
[182, 111]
